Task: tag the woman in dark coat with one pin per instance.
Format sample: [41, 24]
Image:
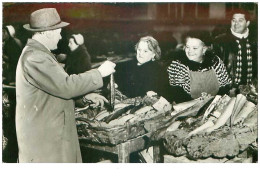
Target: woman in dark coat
[197, 70]
[142, 75]
[79, 60]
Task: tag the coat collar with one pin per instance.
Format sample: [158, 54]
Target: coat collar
[36, 44]
[240, 36]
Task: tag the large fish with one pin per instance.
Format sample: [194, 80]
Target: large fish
[111, 93]
[117, 113]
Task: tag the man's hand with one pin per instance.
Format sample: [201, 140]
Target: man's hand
[61, 58]
[107, 68]
[151, 93]
[96, 99]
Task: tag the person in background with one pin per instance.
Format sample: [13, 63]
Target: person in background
[12, 48]
[196, 70]
[79, 60]
[45, 116]
[238, 49]
[143, 75]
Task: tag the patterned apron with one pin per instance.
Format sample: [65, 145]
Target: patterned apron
[203, 82]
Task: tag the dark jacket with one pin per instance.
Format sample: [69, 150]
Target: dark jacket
[226, 47]
[45, 120]
[78, 61]
[134, 80]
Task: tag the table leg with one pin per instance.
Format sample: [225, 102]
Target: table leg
[156, 154]
[123, 153]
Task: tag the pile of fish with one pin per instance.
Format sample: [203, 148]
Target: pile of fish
[130, 111]
[226, 128]
[191, 109]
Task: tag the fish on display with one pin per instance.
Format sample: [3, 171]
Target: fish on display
[111, 93]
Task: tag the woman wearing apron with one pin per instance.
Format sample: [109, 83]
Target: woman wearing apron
[197, 70]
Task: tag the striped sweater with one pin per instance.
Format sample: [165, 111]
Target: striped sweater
[178, 70]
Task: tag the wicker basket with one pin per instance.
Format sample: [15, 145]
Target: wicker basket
[96, 132]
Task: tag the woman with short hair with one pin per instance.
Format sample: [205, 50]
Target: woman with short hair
[196, 70]
[142, 75]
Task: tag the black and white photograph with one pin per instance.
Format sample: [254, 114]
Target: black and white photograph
[130, 82]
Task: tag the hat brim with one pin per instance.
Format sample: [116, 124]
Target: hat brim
[57, 26]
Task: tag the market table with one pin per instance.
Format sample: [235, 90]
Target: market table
[123, 150]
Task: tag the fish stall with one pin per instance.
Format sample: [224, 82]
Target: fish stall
[206, 129]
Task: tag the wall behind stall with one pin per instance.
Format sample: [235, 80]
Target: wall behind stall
[116, 27]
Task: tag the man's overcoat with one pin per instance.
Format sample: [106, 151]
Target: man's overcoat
[45, 121]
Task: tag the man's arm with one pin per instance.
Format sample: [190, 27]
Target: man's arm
[43, 72]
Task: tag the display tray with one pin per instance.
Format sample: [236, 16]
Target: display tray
[96, 133]
[102, 133]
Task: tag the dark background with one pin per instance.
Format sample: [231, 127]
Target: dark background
[116, 27]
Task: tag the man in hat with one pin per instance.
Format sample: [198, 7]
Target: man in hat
[45, 121]
[238, 49]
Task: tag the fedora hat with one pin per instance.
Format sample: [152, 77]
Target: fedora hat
[44, 20]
